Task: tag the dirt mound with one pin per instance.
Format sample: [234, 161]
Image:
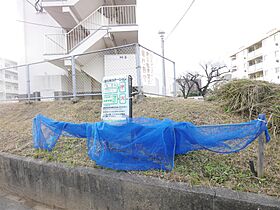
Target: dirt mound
[196, 168]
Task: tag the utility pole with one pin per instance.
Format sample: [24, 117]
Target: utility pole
[161, 34]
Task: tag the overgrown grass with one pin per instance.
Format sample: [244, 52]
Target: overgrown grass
[196, 168]
[250, 98]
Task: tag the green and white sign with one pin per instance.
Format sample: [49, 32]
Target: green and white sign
[115, 98]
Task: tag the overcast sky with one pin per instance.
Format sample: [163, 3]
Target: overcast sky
[212, 29]
[10, 36]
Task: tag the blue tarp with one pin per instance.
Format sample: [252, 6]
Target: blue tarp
[146, 143]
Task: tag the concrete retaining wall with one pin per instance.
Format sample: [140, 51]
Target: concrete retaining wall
[87, 188]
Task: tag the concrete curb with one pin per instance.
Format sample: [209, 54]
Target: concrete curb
[89, 188]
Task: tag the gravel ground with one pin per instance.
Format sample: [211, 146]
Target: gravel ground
[196, 168]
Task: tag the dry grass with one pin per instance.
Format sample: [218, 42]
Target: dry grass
[197, 168]
[251, 97]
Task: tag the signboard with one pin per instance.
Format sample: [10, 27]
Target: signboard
[116, 98]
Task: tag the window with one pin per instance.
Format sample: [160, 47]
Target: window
[8, 87]
[276, 53]
[255, 47]
[7, 76]
[144, 70]
[259, 60]
[277, 70]
[255, 61]
[233, 58]
[7, 65]
[256, 75]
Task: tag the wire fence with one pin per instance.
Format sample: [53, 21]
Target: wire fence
[80, 76]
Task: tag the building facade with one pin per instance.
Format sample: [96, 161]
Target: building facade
[8, 80]
[260, 60]
[56, 28]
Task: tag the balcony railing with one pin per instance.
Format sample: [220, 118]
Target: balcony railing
[100, 19]
[255, 53]
[255, 68]
[11, 91]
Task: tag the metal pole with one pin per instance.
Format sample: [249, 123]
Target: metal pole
[174, 82]
[138, 69]
[74, 78]
[161, 33]
[66, 45]
[130, 95]
[28, 82]
[261, 156]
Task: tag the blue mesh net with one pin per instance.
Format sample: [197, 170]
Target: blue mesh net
[145, 143]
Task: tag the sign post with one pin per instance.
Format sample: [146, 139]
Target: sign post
[116, 98]
[261, 156]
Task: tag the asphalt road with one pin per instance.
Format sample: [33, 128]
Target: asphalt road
[9, 201]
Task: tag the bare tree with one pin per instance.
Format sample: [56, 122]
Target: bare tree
[213, 72]
[186, 84]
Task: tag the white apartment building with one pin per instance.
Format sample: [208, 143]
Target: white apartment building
[259, 60]
[61, 28]
[8, 80]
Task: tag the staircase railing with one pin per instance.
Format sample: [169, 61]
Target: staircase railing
[100, 19]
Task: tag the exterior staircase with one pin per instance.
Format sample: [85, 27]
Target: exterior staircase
[98, 24]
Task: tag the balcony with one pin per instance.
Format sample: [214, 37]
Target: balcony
[256, 75]
[13, 70]
[255, 68]
[11, 80]
[11, 91]
[233, 68]
[255, 53]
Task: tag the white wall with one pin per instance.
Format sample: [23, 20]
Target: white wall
[34, 39]
[34, 47]
[270, 56]
[241, 64]
[48, 84]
